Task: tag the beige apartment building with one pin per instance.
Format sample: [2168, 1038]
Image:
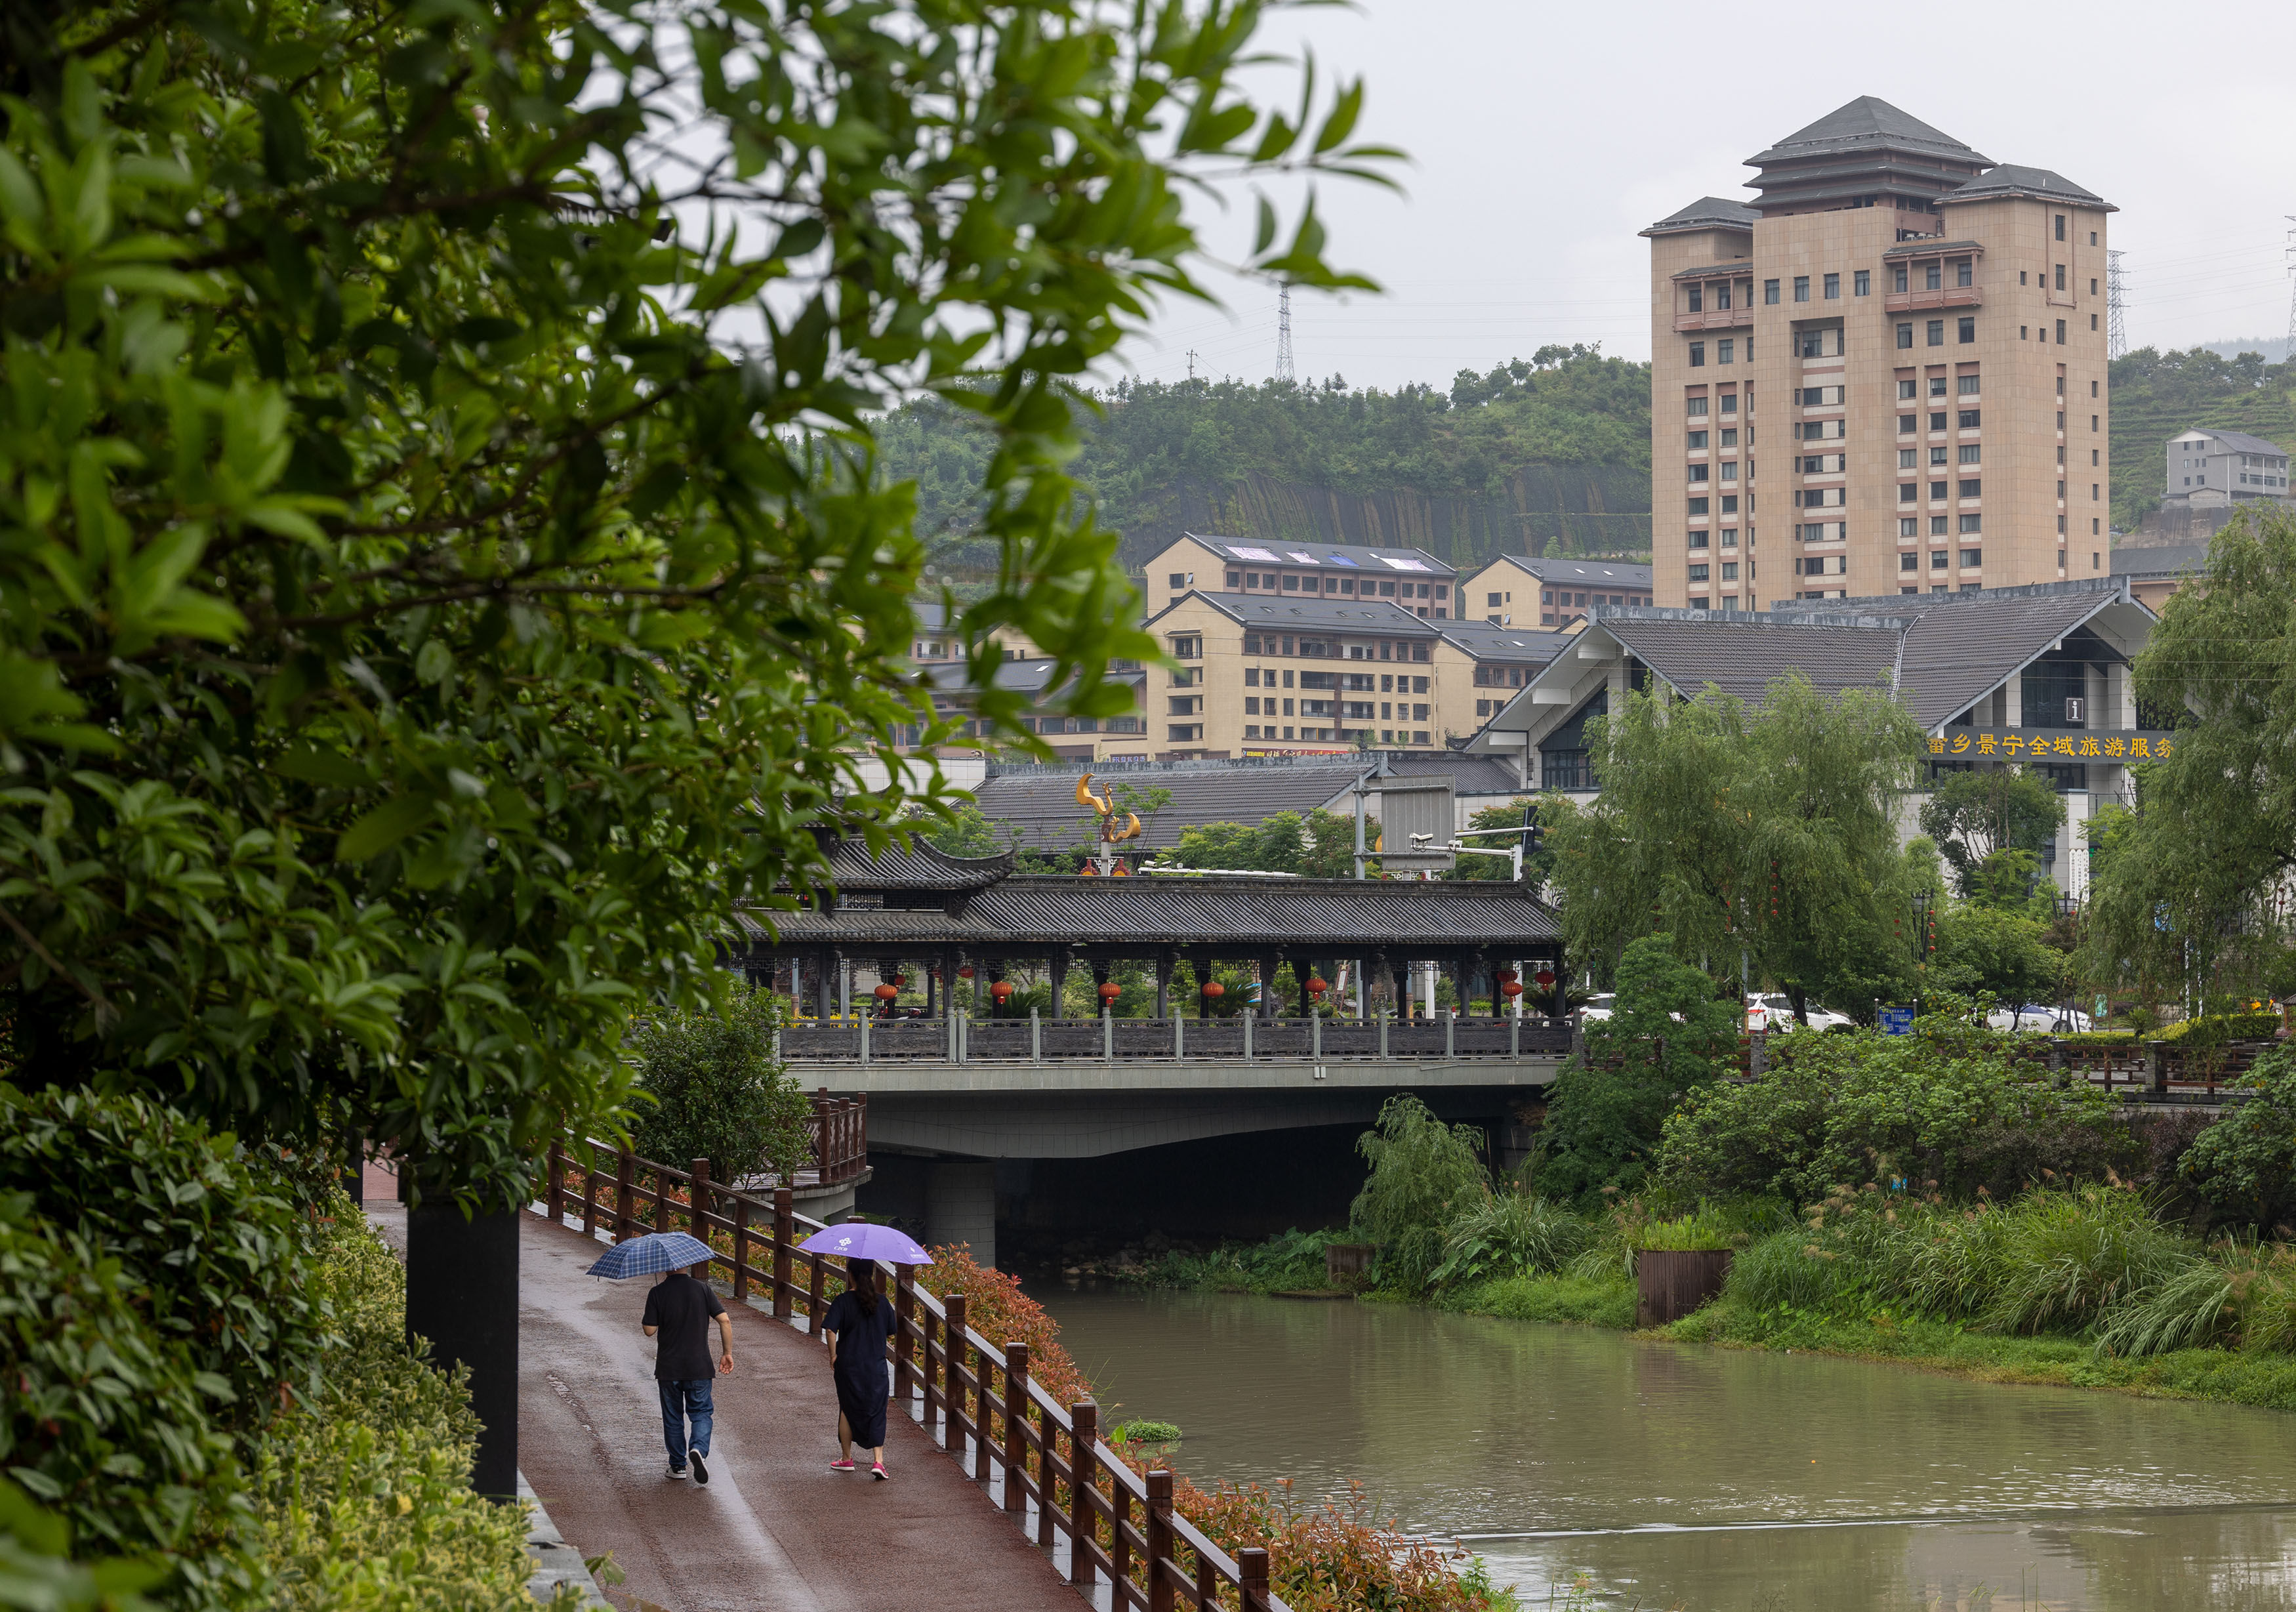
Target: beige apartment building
[1344, 572]
[1554, 591]
[1270, 676]
[1920, 329]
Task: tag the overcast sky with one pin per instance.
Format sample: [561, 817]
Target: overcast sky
[1543, 136]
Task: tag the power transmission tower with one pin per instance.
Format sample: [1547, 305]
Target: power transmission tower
[2289, 356]
[1283, 334]
[1192, 363]
[2116, 318]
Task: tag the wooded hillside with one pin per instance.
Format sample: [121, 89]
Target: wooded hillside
[1548, 455]
[2155, 395]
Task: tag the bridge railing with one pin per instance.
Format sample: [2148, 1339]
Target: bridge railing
[975, 1396]
[1038, 1040]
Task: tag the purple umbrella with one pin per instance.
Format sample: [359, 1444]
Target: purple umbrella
[865, 1240]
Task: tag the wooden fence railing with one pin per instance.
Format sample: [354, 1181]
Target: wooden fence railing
[841, 1136]
[1044, 1463]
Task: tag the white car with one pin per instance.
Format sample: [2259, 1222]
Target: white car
[1599, 1006]
[2034, 1016]
[1775, 1011]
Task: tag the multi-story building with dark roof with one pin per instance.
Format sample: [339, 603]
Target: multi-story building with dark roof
[1552, 590]
[1340, 573]
[1919, 331]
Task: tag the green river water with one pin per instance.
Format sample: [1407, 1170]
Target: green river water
[1710, 1479]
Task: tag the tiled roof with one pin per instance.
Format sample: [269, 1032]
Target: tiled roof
[1487, 641]
[2175, 560]
[2240, 441]
[1343, 916]
[1868, 123]
[1744, 654]
[1708, 212]
[1583, 573]
[1342, 556]
[1289, 612]
[1042, 805]
[2009, 179]
[919, 867]
[1930, 249]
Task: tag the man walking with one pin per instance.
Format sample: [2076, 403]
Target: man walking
[679, 1309]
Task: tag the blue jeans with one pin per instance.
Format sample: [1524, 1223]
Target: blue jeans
[682, 1403]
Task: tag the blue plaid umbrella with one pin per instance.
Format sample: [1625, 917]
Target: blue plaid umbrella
[650, 1255]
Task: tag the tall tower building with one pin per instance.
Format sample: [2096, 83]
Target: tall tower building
[1886, 375]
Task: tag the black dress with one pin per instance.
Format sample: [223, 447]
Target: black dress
[863, 1379]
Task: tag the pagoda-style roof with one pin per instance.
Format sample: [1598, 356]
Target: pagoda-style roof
[918, 867]
[1151, 912]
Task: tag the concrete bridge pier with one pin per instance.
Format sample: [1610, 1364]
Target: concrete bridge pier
[961, 1207]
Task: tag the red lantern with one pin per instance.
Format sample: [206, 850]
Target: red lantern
[1109, 990]
[885, 993]
[1510, 989]
[1213, 988]
[1316, 986]
[1001, 990]
[1505, 975]
[901, 979]
[964, 973]
[1546, 978]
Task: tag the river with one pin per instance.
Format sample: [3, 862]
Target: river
[1712, 1479]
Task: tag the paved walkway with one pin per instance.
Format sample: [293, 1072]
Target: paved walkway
[776, 1529]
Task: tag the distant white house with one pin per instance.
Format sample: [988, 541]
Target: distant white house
[2214, 469]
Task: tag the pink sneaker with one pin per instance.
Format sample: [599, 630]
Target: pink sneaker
[841, 1466]
[879, 1473]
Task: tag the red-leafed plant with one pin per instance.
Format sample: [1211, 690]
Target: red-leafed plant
[998, 1311]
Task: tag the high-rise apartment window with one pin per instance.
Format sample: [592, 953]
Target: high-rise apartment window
[1697, 299]
[1729, 402]
[2092, 389]
[1937, 456]
[1697, 406]
[1722, 294]
[1908, 423]
[1971, 488]
[1729, 537]
[1697, 473]
[1933, 276]
[1937, 526]
[1971, 453]
[1833, 288]
[1905, 339]
[1968, 328]
[1906, 388]
[2091, 422]
[1729, 503]
[2060, 276]
[1909, 527]
[2092, 285]
[1972, 559]
[1969, 386]
[1909, 562]
[1698, 539]
[1937, 491]
[2092, 321]
[1698, 354]
[1897, 278]
[1970, 523]
[1909, 492]
[1937, 389]
[1698, 506]
[1698, 573]
[1726, 351]
[1801, 288]
[1938, 560]
[1770, 290]
[1729, 570]
[1697, 441]
[1967, 418]
[1861, 284]
[1963, 272]
[2060, 226]
[1937, 333]
[1906, 457]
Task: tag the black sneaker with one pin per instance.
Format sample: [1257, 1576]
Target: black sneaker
[675, 1472]
[700, 1469]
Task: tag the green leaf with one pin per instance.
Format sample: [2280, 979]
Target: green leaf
[380, 829]
[315, 764]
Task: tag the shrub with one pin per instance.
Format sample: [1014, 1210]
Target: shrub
[1287, 1262]
[2244, 1166]
[1423, 1172]
[365, 1495]
[2066, 1257]
[1789, 1269]
[995, 1308]
[710, 1089]
[2191, 1308]
[2264, 1289]
[1510, 1234]
[1145, 1432]
[37, 1573]
[1333, 1558]
[2215, 1029]
[1707, 1227]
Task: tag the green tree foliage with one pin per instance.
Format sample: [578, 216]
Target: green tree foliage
[1982, 947]
[1948, 1104]
[1538, 866]
[446, 566]
[2244, 1166]
[709, 1088]
[2183, 886]
[965, 830]
[1668, 1034]
[2157, 394]
[1319, 845]
[1973, 815]
[1423, 1172]
[1564, 436]
[1768, 828]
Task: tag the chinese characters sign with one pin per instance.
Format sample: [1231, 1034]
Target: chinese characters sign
[2052, 745]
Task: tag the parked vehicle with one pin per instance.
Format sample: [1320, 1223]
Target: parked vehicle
[2039, 1018]
[1600, 1005]
[1774, 1010]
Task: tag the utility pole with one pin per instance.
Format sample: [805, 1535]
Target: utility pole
[1192, 363]
[1283, 334]
[2290, 355]
[2116, 321]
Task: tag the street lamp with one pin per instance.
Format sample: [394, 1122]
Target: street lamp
[1921, 898]
[2069, 911]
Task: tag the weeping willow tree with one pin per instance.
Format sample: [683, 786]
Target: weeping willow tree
[1763, 832]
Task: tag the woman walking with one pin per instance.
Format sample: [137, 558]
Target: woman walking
[854, 1332]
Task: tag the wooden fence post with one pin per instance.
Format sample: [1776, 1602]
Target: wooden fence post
[697, 1206]
[1016, 1428]
[953, 1364]
[589, 1188]
[816, 1302]
[740, 1249]
[1252, 1574]
[557, 1196]
[1162, 1541]
[904, 1320]
[784, 1235]
[625, 1187]
[1084, 1440]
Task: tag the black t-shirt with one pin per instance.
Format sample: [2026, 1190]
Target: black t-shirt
[860, 1339]
[682, 1308]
